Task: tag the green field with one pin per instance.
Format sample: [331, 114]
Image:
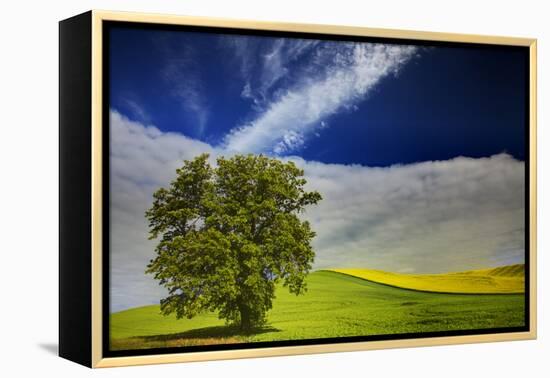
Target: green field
[335, 305]
[508, 279]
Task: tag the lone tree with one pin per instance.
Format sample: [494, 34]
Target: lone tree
[228, 234]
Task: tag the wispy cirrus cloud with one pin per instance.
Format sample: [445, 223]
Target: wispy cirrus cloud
[337, 77]
[136, 109]
[265, 63]
[182, 73]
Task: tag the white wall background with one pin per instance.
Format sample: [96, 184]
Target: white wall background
[28, 212]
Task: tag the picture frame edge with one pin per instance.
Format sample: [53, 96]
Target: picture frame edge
[97, 18]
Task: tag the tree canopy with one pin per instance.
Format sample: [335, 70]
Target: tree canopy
[228, 234]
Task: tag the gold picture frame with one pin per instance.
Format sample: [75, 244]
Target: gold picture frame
[89, 329]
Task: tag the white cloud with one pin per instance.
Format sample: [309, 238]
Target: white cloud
[427, 217]
[433, 216]
[339, 76]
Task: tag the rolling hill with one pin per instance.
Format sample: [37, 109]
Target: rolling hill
[335, 305]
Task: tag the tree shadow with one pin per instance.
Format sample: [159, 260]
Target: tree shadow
[215, 332]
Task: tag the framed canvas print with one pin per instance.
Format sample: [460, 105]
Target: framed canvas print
[235, 189]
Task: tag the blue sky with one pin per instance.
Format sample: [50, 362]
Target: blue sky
[418, 151]
[443, 102]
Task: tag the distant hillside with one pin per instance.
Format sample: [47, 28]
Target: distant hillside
[516, 270]
[509, 279]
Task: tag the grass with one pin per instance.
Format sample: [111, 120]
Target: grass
[502, 280]
[335, 305]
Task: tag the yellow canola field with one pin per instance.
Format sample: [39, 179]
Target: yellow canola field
[508, 279]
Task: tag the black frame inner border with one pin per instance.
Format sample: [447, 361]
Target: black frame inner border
[106, 28]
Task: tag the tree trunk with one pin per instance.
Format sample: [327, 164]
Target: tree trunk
[246, 324]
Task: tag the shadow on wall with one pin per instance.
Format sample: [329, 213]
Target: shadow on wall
[51, 348]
